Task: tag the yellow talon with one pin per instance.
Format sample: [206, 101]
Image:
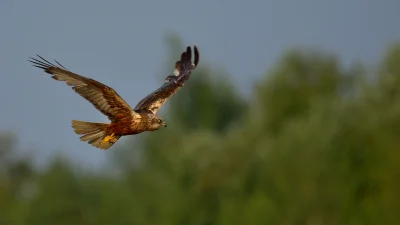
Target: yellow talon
[107, 138]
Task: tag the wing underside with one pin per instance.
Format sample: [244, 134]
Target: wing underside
[183, 68]
[102, 97]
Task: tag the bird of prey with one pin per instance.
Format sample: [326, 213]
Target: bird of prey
[124, 119]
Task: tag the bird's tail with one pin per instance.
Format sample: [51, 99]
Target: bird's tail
[95, 134]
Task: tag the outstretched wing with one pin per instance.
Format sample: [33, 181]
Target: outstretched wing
[102, 97]
[183, 68]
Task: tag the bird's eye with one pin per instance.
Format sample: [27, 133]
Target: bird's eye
[159, 121]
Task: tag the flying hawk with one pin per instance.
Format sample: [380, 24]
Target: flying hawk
[124, 119]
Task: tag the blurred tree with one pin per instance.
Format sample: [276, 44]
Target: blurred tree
[64, 197]
[298, 80]
[15, 178]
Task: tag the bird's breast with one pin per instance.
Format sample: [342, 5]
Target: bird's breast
[127, 126]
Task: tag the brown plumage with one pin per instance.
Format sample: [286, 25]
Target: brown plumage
[124, 119]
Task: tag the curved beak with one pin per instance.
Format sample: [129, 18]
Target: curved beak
[165, 124]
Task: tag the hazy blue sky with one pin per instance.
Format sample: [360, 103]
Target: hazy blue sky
[119, 42]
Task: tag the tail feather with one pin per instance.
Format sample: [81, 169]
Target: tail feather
[95, 134]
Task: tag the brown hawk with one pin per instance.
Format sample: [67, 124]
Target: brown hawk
[124, 119]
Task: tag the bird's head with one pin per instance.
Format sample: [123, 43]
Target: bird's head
[156, 123]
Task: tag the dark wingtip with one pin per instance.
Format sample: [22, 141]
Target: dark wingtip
[61, 65]
[183, 56]
[188, 53]
[196, 56]
[43, 63]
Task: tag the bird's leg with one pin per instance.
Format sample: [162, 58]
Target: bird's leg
[107, 138]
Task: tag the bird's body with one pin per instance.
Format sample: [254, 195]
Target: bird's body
[124, 120]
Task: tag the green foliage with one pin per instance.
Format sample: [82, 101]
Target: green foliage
[316, 143]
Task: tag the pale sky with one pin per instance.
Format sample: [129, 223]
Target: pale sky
[122, 44]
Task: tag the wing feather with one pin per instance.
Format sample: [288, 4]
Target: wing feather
[103, 98]
[183, 68]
